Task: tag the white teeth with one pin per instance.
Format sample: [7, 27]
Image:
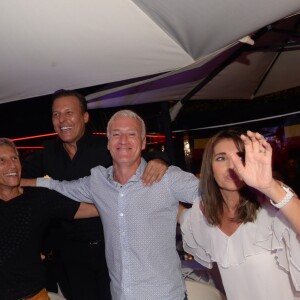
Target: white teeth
[11, 174]
[65, 128]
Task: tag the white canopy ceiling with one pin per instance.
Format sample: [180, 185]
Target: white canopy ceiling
[72, 44]
[238, 71]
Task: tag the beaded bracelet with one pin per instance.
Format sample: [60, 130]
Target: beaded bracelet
[289, 195]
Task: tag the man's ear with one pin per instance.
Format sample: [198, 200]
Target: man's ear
[144, 143]
[86, 117]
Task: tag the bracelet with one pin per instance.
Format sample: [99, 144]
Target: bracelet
[287, 198]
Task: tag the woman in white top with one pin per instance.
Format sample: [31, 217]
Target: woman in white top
[254, 240]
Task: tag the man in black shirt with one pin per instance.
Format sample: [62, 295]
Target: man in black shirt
[24, 214]
[81, 247]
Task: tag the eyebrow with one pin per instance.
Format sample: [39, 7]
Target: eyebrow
[220, 153]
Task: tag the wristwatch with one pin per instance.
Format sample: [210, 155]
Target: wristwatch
[289, 195]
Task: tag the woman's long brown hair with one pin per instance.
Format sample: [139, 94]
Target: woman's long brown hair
[212, 199]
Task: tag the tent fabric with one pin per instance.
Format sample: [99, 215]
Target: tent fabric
[239, 71]
[166, 87]
[74, 44]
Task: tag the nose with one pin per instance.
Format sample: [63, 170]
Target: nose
[230, 164]
[58, 117]
[123, 138]
[61, 118]
[11, 163]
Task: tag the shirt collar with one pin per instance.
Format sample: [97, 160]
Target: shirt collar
[83, 140]
[134, 178]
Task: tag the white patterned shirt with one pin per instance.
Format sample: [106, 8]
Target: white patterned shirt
[139, 227]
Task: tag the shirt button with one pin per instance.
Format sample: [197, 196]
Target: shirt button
[121, 214]
[121, 195]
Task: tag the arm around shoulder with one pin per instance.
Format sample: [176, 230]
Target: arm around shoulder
[28, 182]
[86, 210]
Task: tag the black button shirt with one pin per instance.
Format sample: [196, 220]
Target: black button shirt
[55, 162]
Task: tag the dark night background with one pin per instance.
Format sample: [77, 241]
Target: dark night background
[33, 117]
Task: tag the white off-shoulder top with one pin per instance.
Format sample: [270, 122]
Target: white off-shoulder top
[259, 261]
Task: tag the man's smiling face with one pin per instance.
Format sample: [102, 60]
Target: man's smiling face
[125, 140]
[68, 119]
[10, 167]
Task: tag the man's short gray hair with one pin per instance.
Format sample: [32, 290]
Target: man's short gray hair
[128, 114]
[8, 142]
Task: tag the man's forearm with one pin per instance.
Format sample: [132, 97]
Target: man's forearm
[28, 182]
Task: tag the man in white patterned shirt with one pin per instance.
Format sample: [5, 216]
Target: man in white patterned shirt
[139, 221]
